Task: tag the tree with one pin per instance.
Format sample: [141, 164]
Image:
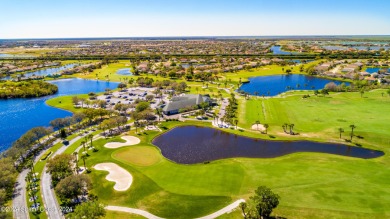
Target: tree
[63, 133]
[90, 137]
[291, 129]
[8, 176]
[122, 86]
[352, 128]
[141, 106]
[84, 157]
[73, 186]
[266, 128]
[264, 201]
[243, 207]
[60, 167]
[76, 161]
[90, 210]
[341, 130]
[75, 100]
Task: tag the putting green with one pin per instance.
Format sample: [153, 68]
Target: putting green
[143, 156]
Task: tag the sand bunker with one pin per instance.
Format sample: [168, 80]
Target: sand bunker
[117, 174]
[258, 127]
[130, 140]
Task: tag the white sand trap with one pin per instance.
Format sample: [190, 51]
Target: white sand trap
[258, 127]
[117, 174]
[130, 140]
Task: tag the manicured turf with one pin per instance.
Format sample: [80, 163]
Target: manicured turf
[138, 155]
[320, 117]
[65, 102]
[310, 184]
[121, 215]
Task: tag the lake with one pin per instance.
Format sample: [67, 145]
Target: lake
[17, 116]
[43, 72]
[124, 71]
[277, 50]
[276, 84]
[192, 144]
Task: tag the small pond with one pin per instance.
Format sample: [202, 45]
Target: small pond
[124, 71]
[192, 144]
[276, 84]
[376, 70]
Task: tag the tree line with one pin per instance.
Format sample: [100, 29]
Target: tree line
[26, 89]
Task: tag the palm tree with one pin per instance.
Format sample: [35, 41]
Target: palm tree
[257, 124]
[90, 136]
[352, 127]
[29, 179]
[285, 127]
[30, 164]
[266, 128]
[291, 129]
[76, 161]
[84, 156]
[83, 144]
[341, 130]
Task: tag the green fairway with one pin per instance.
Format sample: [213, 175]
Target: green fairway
[320, 117]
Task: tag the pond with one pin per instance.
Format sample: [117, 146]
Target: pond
[6, 55]
[277, 84]
[376, 70]
[192, 144]
[277, 50]
[17, 116]
[43, 72]
[124, 71]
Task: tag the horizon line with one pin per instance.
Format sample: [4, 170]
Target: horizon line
[199, 37]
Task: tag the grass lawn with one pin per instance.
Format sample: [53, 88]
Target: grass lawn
[320, 117]
[66, 103]
[121, 215]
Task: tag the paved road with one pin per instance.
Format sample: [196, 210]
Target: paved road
[49, 199]
[19, 200]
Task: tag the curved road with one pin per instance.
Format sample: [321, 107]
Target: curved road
[19, 204]
[49, 199]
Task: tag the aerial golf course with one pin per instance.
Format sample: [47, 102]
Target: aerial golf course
[309, 184]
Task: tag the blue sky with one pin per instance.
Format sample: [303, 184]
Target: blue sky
[121, 18]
